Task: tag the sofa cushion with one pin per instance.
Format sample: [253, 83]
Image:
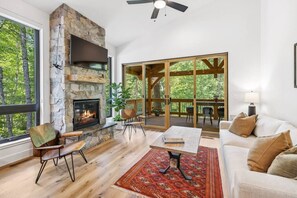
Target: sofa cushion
[266, 126]
[228, 138]
[243, 125]
[293, 131]
[265, 149]
[234, 160]
[285, 164]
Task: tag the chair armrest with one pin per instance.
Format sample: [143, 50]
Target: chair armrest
[254, 184]
[72, 134]
[50, 147]
[225, 124]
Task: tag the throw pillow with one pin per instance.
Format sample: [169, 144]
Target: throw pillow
[265, 149]
[243, 125]
[285, 164]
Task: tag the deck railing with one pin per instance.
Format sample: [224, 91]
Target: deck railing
[177, 106]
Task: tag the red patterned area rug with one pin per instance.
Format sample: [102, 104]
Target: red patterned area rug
[144, 177]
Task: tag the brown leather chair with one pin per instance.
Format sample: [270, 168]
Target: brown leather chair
[42, 135]
[131, 121]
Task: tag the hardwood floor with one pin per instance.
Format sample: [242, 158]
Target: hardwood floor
[107, 163]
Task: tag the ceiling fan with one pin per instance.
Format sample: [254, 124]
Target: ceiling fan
[160, 4]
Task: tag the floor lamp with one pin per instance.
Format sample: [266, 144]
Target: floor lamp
[252, 98]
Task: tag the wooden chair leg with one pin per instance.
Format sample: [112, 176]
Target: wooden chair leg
[204, 120]
[72, 176]
[43, 164]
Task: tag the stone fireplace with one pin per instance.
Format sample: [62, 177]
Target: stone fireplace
[66, 93]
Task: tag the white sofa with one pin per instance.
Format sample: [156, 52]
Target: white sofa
[243, 183]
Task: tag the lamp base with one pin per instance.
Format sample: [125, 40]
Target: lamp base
[252, 110]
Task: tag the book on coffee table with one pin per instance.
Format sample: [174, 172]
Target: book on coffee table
[173, 140]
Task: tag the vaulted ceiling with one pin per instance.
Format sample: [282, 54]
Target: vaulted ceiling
[122, 22]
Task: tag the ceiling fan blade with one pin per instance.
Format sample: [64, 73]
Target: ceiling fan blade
[177, 6]
[139, 1]
[155, 13]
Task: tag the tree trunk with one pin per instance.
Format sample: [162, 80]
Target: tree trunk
[157, 94]
[2, 98]
[26, 73]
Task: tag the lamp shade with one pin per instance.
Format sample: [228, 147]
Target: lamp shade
[252, 97]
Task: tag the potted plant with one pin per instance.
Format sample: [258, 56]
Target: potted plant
[156, 112]
[118, 100]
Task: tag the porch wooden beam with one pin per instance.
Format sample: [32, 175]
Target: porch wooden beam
[221, 65]
[190, 73]
[156, 81]
[207, 63]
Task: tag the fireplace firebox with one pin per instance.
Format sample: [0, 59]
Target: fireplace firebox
[85, 113]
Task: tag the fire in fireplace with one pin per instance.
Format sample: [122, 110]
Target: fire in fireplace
[85, 113]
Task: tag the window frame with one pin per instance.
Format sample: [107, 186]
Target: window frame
[26, 108]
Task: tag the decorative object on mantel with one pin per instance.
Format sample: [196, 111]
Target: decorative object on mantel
[56, 65]
[87, 78]
[295, 65]
[251, 97]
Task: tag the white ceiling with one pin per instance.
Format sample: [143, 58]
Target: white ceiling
[122, 22]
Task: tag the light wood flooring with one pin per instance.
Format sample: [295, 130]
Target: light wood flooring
[107, 163]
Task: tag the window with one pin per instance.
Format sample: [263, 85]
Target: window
[19, 79]
[108, 89]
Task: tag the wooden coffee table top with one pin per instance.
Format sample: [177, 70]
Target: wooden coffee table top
[191, 137]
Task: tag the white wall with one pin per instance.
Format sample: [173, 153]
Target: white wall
[278, 35]
[25, 13]
[231, 26]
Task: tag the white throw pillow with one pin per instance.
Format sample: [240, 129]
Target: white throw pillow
[293, 131]
[266, 126]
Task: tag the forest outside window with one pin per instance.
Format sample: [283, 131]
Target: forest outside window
[19, 79]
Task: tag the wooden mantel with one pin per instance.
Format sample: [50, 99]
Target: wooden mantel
[87, 78]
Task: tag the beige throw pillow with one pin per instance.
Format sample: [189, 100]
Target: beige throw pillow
[285, 164]
[243, 125]
[265, 149]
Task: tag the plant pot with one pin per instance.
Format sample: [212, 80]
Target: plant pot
[120, 125]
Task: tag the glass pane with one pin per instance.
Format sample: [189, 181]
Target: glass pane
[14, 125]
[210, 92]
[181, 93]
[155, 95]
[133, 82]
[17, 63]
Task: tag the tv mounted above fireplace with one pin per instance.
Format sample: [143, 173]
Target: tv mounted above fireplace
[83, 52]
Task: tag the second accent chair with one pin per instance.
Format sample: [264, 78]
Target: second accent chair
[207, 112]
[42, 135]
[131, 121]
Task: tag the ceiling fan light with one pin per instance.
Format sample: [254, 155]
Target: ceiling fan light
[160, 4]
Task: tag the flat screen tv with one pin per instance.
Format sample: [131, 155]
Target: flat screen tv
[82, 51]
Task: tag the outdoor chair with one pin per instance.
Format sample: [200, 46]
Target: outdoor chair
[221, 114]
[190, 112]
[42, 135]
[131, 121]
[207, 112]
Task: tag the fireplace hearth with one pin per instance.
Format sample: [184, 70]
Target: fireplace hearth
[85, 113]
